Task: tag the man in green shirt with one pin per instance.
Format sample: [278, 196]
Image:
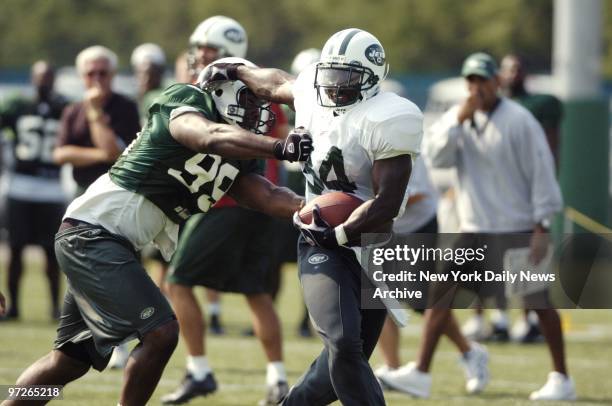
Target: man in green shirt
[186, 157]
[546, 108]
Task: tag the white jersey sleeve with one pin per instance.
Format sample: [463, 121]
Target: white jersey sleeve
[396, 128]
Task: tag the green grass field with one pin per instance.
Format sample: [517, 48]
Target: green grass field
[240, 365]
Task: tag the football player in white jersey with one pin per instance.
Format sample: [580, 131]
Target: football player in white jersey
[364, 141]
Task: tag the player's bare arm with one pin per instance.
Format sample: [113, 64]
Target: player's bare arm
[258, 193]
[270, 84]
[102, 134]
[389, 179]
[199, 134]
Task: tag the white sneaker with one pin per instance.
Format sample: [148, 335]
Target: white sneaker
[408, 379]
[557, 387]
[120, 357]
[475, 364]
[382, 370]
[475, 328]
[519, 329]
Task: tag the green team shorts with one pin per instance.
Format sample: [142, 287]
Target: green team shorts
[110, 296]
[229, 249]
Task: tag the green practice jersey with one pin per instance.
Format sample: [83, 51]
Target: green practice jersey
[546, 109]
[33, 126]
[176, 179]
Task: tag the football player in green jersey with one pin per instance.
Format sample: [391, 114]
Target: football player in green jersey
[546, 108]
[191, 151]
[35, 198]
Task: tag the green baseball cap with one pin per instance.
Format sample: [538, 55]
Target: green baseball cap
[479, 64]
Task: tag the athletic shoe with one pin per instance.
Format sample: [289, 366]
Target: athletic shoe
[382, 370]
[499, 334]
[475, 364]
[276, 393]
[190, 388]
[120, 357]
[407, 379]
[557, 387]
[475, 329]
[526, 332]
[215, 326]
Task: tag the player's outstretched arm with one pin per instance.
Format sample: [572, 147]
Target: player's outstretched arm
[195, 132]
[270, 84]
[258, 193]
[389, 179]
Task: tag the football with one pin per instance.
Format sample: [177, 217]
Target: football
[335, 207]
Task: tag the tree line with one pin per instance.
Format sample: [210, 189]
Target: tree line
[419, 36]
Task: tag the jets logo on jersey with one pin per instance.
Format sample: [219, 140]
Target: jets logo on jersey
[375, 54]
[234, 35]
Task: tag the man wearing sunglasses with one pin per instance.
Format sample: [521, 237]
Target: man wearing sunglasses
[94, 132]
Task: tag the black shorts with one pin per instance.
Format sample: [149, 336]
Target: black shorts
[229, 249]
[110, 297]
[33, 222]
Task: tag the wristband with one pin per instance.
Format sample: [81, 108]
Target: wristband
[340, 235]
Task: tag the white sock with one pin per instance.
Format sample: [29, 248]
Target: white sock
[275, 373]
[214, 308]
[500, 318]
[198, 367]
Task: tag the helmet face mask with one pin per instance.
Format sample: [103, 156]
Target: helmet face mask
[351, 69]
[340, 85]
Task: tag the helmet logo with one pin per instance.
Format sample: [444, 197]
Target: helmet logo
[234, 35]
[375, 54]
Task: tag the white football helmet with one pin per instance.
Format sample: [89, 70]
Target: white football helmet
[223, 33]
[351, 68]
[238, 105]
[304, 59]
[148, 53]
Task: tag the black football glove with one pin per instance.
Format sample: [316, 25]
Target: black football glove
[296, 147]
[215, 74]
[318, 233]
